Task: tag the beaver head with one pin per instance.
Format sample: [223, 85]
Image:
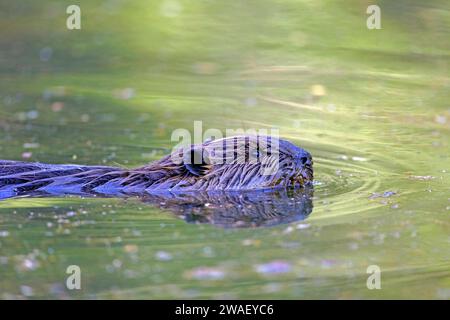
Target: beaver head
[234, 163]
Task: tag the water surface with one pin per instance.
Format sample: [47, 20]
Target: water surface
[370, 105]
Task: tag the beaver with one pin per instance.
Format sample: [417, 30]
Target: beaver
[239, 163]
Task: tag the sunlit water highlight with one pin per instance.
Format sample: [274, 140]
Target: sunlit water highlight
[372, 108]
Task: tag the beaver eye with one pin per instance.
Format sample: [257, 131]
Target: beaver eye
[304, 160]
[198, 163]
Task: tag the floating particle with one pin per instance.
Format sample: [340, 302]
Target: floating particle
[385, 194]
[274, 267]
[421, 178]
[117, 263]
[27, 155]
[31, 145]
[131, 248]
[29, 264]
[32, 114]
[163, 256]
[318, 90]
[440, 119]
[71, 213]
[288, 230]
[388, 194]
[206, 273]
[251, 242]
[4, 233]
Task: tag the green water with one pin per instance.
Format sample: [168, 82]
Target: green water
[372, 106]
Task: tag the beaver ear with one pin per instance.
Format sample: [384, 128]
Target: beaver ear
[196, 161]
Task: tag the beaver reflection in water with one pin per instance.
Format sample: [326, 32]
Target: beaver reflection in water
[233, 164]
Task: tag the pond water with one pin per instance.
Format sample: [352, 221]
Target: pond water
[371, 106]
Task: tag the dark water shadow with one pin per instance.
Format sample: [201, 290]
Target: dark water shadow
[238, 210]
[224, 209]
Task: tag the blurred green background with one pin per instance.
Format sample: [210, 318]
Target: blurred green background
[372, 106]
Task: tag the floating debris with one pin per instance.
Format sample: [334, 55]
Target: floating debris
[385, 194]
[117, 263]
[27, 155]
[4, 233]
[274, 267]
[440, 119]
[206, 273]
[302, 226]
[288, 230]
[251, 242]
[421, 178]
[31, 145]
[299, 226]
[131, 248]
[71, 213]
[32, 114]
[318, 90]
[163, 256]
[28, 263]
